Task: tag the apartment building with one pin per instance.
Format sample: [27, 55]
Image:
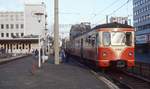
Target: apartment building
[141, 17]
[20, 31]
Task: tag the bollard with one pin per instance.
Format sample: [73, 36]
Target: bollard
[33, 69]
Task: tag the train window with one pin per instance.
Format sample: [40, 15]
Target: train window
[128, 38]
[106, 38]
[89, 39]
[93, 41]
[118, 38]
[97, 39]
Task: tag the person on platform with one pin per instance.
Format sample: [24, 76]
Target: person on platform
[63, 56]
[36, 53]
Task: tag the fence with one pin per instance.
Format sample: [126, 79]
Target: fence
[141, 69]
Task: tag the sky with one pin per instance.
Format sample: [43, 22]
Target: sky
[75, 11]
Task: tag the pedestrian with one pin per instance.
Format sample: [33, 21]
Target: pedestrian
[63, 56]
[36, 53]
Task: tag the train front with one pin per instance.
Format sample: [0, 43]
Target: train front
[116, 47]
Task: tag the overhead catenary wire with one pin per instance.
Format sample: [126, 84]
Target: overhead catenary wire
[119, 7]
[116, 10]
[106, 8]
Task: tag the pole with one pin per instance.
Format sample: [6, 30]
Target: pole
[39, 20]
[106, 18]
[56, 32]
[39, 64]
[43, 54]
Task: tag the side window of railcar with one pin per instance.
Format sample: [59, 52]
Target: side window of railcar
[97, 39]
[128, 38]
[106, 38]
[89, 40]
[93, 40]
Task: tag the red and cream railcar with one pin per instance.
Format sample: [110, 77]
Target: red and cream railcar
[106, 45]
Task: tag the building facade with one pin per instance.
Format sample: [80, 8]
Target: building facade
[141, 17]
[35, 24]
[122, 20]
[11, 24]
[20, 31]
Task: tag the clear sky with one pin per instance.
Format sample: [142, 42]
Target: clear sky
[76, 11]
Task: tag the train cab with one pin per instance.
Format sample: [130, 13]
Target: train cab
[116, 46]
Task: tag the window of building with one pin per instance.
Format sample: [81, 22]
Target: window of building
[7, 34]
[17, 46]
[7, 26]
[22, 26]
[2, 34]
[22, 34]
[17, 26]
[12, 26]
[2, 26]
[17, 34]
[12, 35]
[23, 46]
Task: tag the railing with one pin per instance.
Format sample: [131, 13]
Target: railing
[141, 69]
[5, 55]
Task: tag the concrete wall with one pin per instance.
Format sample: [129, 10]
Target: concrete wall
[32, 25]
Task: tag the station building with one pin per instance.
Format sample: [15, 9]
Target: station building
[141, 18]
[20, 31]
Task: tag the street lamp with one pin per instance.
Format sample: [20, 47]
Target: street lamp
[39, 15]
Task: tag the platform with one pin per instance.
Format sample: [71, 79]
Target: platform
[19, 74]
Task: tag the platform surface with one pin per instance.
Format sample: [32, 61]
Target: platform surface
[23, 74]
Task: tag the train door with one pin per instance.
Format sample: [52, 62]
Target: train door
[81, 48]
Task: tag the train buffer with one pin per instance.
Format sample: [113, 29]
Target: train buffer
[70, 75]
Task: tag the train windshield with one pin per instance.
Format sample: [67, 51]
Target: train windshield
[117, 38]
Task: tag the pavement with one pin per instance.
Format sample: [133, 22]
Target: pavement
[2, 60]
[24, 74]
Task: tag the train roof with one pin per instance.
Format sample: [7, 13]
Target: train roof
[113, 25]
[108, 25]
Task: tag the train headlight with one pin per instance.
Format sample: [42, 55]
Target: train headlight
[104, 54]
[130, 54]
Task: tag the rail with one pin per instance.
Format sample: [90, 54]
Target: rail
[127, 80]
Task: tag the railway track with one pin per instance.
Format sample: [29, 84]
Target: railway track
[122, 79]
[128, 80]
